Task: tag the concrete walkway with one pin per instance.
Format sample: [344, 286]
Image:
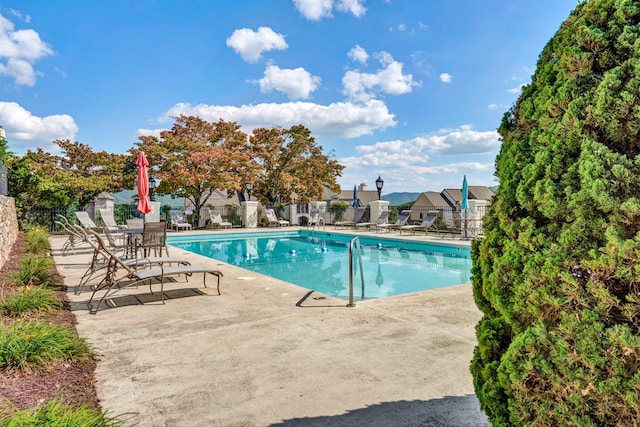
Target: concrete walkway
[268, 353]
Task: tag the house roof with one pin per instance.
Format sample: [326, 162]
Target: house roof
[480, 192]
[431, 198]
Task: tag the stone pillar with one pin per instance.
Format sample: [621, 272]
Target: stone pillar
[376, 207]
[249, 214]
[154, 215]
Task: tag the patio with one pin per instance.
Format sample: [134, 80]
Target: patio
[268, 353]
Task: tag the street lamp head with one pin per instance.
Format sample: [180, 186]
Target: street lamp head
[249, 187]
[152, 187]
[379, 184]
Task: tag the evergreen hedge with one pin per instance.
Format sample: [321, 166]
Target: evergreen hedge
[557, 276]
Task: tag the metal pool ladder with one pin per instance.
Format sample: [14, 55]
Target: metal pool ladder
[355, 242]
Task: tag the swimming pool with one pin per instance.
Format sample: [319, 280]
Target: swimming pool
[320, 260]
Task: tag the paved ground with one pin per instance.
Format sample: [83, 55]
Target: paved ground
[268, 353]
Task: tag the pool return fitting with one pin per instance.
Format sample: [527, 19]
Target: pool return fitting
[355, 242]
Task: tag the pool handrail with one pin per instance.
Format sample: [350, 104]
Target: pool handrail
[354, 242]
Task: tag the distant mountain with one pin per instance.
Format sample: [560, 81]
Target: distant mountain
[396, 199]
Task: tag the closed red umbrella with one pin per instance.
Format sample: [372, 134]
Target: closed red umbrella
[143, 184]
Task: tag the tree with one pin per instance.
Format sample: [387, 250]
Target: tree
[557, 276]
[196, 157]
[291, 166]
[41, 179]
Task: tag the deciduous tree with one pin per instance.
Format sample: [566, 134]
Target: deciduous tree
[196, 157]
[292, 166]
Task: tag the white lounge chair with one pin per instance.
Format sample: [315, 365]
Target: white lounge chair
[109, 220]
[178, 222]
[402, 220]
[425, 225]
[357, 216]
[85, 220]
[315, 219]
[382, 219]
[216, 221]
[273, 218]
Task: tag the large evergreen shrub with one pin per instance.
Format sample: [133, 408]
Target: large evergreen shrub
[558, 274]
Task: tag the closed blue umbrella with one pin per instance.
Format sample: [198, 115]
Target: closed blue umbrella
[464, 205]
[465, 194]
[355, 197]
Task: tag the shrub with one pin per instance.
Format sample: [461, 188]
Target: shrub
[35, 271]
[29, 300]
[557, 274]
[33, 343]
[57, 413]
[37, 240]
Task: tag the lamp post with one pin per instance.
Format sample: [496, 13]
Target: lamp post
[249, 187]
[152, 188]
[379, 184]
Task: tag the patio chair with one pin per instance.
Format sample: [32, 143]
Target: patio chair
[382, 219]
[154, 237]
[134, 276]
[402, 220]
[451, 224]
[109, 220]
[315, 219]
[357, 217]
[73, 237]
[85, 220]
[114, 244]
[273, 218]
[177, 221]
[425, 225]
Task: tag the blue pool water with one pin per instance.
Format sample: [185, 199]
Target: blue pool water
[320, 261]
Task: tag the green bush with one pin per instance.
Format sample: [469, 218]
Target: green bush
[37, 240]
[29, 300]
[32, 343]
[56, 413]
[557, 274]
[35, 271]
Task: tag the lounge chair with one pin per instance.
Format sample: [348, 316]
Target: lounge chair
[178, 222]
[273, 218]
[357, 217]
[134, 276]
[100, 261]
[450, 223]
[382, 219]
[425, 225]
[216, 221]
[109, 220]
[85, 220]
[315, 219]
[402, 221]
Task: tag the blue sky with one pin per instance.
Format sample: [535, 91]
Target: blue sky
[411, 90]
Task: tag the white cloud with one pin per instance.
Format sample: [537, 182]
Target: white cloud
[28, 131]
[430, 162]
[388, 79]
[21, 49]
[337, 120]
[353, 6]
[517, 89]
[315, 10]
[296, 83]
[251, 44]
[445, 78]
[358, 54]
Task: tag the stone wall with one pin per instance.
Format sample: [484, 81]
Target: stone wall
[8, 227]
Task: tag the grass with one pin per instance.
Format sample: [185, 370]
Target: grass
[37, 240]
[35, 271]
[34, 343]
[29, 300]
[56, 413]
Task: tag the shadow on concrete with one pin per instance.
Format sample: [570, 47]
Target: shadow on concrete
[138, 299]
[316, 301]
[449, 411]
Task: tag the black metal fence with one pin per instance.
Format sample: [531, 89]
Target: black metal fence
[47, 218]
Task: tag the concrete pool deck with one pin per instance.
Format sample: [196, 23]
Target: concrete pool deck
[269, 353]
